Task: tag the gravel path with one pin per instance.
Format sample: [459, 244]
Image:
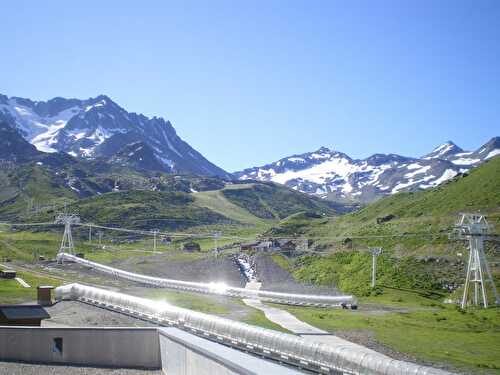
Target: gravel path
[277, 279]
[15, 368]
[206, 269]
[78, 314]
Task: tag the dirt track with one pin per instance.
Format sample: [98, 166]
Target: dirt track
[277, 279]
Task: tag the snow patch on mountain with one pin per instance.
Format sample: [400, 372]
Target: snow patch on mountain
[493, 153]
[98, 127]
[38, 130]
[332, 174]
[449, 173]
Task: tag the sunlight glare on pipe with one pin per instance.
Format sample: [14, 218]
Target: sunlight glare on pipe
[218, 288]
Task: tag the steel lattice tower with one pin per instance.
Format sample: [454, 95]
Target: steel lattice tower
[475, 229]
[67, 245]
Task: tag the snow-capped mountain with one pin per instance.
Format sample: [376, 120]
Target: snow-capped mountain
[334, 175]
[451, 152]
[13, 147]
[98, 127]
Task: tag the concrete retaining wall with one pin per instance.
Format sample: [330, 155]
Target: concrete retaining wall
[100, 347]
[175, 351]
[185, 354]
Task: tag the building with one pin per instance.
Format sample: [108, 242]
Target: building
[7, 274]
[248, 246]
[22, 315]
[191, 246]
[264, 246]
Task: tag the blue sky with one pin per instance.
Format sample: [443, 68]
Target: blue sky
[249, 82]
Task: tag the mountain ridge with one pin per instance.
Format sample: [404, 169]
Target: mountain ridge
[331, 174]
[85, 127]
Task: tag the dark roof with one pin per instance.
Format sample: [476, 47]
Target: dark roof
[23, 312]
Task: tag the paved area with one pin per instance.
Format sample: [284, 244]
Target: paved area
[79, 314]
[15, 368]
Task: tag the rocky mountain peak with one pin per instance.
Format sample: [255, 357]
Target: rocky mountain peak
[334, 175]
[444, 151]
[85, 128]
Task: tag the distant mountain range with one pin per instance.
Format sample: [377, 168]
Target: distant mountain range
[334, 175]
[100, 128]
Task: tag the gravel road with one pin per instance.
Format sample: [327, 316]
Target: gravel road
[15, 368]
[277, 279]
[207, 269]
[79, 314]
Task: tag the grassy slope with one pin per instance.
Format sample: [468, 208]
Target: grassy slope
[424, 261]
[217, 202]
[424, 328]
[26, 246]
[271, 201]
[142, 209]
[431, 210]
[29, 182]
[12, 292]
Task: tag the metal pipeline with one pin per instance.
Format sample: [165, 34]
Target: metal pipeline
[288, 348]
[216, 288]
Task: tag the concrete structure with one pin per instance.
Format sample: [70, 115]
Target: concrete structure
[174, 351]
[22, 315]
[7, 274]
[44, 295]
[314, 356]
[100, 347]
[185, 354]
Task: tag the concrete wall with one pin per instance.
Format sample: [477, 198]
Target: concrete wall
[185, 354]
[175, 351]
[101, 347]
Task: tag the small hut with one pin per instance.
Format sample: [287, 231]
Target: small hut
[7, 274]
[191, 246]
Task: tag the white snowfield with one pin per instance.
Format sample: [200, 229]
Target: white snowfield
[217, 288]
[41, 131]
[294, 350]
[327, 171]
[493, 153]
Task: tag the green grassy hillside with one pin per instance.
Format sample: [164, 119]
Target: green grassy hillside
[141, 209]
[413, 233]
[216, 201]
[432, 211]
[271, 201]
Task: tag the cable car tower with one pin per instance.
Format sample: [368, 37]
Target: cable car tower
[475, 229]
[67, 245]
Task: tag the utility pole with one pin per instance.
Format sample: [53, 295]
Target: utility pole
[67, 245]
[90, 233]
[100, 237]
[475, 229]
[376, 251]
[216, 245]
[155, 233]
